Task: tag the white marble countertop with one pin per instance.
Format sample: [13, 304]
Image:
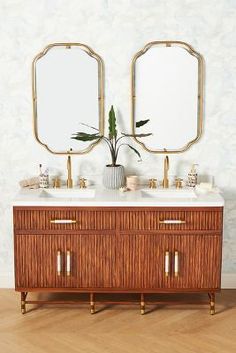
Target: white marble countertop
[116, 198]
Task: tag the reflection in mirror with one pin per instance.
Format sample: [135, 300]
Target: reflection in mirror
[67, 91]
[167, 88]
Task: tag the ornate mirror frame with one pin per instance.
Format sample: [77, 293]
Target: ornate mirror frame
[200, 59]
[100, 62]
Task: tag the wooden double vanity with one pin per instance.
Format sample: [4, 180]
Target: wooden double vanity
[94, 247]
[112, 242]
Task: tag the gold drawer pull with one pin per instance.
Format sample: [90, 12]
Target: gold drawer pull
[172, 221]
[167, 263]
[63, 221]
[176, 264]
[68, 263]
[58, 263]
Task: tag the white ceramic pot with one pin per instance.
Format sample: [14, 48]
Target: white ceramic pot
[114, 177]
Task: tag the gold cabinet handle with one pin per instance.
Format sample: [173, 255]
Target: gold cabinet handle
[176, 264]
[167, 263]
[63, 221]
[172, 221]
[58, 263]
[68, 263]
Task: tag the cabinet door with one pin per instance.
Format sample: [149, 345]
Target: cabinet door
[139, 261]
[36, 261]
[93, 262]
[199, 261]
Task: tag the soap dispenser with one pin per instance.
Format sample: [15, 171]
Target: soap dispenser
[192, 176]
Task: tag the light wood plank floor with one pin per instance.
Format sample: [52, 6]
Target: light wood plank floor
[117, 329]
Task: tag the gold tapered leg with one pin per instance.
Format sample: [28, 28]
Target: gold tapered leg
[23, 297]
[142, 305]
[212, 303]
[92, 304]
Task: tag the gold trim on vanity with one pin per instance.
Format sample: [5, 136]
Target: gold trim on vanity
[94, 55]
[200, 92]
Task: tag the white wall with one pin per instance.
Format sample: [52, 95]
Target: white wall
[116, 30]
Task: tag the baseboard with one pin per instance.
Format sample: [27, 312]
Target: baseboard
[228, 280]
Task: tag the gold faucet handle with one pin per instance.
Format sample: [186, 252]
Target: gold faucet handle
[178, 183]
[152, 183]
[82, 183]
[57, 182]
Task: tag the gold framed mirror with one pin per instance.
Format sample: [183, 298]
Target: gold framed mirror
[167, 80]
[68, 90]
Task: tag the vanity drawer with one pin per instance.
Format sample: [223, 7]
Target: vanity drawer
[63, 219]
[179, 219]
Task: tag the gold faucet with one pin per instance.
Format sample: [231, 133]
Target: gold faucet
[166, 168]
[69, 181]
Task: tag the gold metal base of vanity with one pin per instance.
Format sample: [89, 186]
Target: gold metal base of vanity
[142, 303]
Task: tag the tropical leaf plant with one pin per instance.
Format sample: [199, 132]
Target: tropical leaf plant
[113, 142]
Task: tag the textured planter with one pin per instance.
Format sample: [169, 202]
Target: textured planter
[114, 177]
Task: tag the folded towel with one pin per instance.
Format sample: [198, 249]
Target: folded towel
[31, 182]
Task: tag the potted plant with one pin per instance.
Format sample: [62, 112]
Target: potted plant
[114, 174]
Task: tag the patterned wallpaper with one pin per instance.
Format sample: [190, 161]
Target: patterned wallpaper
[116, 30]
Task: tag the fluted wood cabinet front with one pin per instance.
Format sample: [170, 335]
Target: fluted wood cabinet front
[36, 260]
[118, 249]
[139, 261]
[197, 259]
[93, 265]
[194, 261]
[64, 261]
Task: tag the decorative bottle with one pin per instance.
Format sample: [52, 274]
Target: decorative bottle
[192, 176]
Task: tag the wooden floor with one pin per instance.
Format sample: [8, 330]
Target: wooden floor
[117, 329]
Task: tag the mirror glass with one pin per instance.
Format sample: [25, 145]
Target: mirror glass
[67, 91]
[167, 89]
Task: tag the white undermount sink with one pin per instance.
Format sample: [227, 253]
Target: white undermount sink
[169, 193]
[68, 193]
